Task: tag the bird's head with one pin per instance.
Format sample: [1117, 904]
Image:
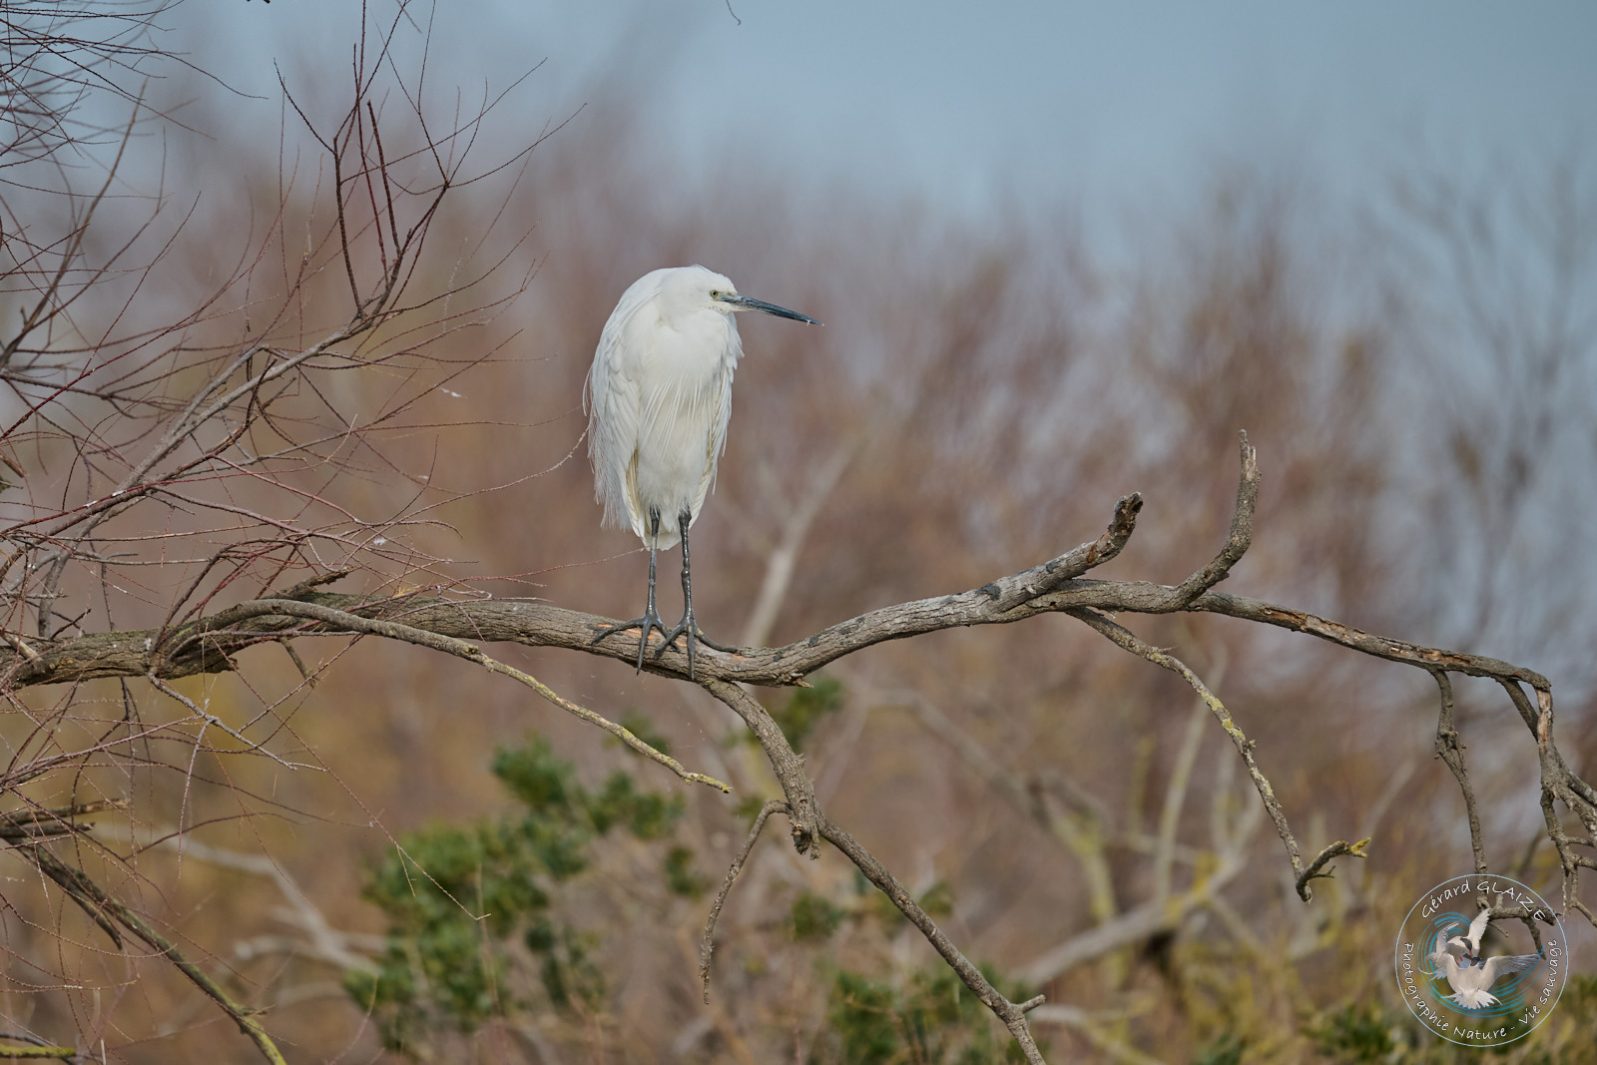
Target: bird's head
[693, 287]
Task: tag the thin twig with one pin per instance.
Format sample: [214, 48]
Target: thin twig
[707, 941]
[1125, 639]
[797, 787]
[206, 643]
[211, 719]
[342, 621]
[1011, 1013]
[1452, 752]
[39, 1051]
[110, 908]
[1240, 536]
[1356, 849]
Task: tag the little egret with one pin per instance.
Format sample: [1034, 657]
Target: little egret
[659, 397]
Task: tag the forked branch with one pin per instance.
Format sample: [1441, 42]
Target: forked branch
[458, 627]
[111, 913]
[707, 941]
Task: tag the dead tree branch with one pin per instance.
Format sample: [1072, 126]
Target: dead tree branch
[210, 642]
[1451, 752]
[707, 941]
[1013, 1014]
[110, 913]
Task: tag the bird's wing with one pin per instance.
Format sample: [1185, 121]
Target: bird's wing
[1477, 929]
[720, 417]
[1494, 969]
[612, 401]
[1444, 965]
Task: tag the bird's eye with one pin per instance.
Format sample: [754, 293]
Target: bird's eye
[716, 293]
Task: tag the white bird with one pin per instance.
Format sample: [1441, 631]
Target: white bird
[1471, 983]
[659, 397]
[1471, 942]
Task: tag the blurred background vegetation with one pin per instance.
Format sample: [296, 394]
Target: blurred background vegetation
[464, 875]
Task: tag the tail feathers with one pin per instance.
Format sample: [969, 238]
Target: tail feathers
[1474, 1000]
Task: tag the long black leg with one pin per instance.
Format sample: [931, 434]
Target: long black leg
[687, 625]
[651, 616]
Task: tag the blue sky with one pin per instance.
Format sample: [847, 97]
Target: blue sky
[1102, 106]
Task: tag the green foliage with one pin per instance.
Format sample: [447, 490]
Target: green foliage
[567, 971]
[806, 708]
[1357, 1032]
[749, 807]
[927, 1017]
[642, 728]
[681, 876]
[815, 917]
[647, 815]
[470, 910]
[1580, 995]
[937, 900]
[1226, 1050]
[933, 1019]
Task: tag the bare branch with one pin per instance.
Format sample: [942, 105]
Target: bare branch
[802, 809]
[1120, 636]
[94, 900]
[343, 621]
[707, 940]
[206, 645]
[1452, 753]
[1012, 1014]
[1240, 536]
[36, 1050]
[1312, 871]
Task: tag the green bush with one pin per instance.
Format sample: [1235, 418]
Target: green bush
[470, 909]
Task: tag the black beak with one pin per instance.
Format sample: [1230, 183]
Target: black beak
[749, 303]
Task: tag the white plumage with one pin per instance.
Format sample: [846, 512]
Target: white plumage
[1471, 982]
[1471, 941]
[659, 397]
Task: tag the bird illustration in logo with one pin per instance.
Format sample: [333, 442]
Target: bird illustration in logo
[1468, 974]
[1471, 941]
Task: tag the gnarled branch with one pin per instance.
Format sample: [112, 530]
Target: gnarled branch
[456, 626]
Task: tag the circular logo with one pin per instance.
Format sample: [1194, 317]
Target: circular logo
[1476, 978]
